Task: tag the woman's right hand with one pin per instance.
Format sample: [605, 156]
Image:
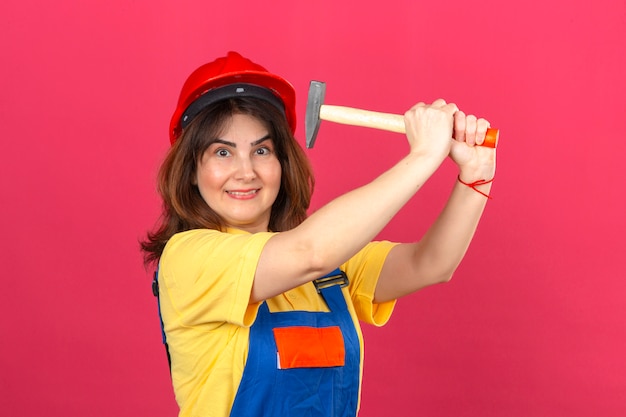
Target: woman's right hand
[429, 129]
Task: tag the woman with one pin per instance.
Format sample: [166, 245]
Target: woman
[252, 329]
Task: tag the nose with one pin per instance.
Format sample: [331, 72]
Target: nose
[244, 170]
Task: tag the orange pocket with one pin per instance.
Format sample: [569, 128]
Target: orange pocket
[309, 347]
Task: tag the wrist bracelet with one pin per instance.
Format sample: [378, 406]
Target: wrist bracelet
[474, 184]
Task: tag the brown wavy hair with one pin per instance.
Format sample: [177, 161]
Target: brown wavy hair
[183, 207]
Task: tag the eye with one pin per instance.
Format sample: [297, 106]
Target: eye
[222, 152]
[263, 150]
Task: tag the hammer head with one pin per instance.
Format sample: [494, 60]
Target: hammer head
[317, 92]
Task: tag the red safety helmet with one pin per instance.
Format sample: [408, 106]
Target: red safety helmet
[229, 76]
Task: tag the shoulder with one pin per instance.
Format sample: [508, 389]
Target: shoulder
[363, 271]
[204, 252]
[204, 242]
[208, 274]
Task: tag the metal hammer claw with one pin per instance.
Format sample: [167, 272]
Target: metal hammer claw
[316, 111]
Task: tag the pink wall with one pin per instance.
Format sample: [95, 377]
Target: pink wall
[534, 322]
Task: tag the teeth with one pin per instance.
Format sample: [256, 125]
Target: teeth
[240, 193]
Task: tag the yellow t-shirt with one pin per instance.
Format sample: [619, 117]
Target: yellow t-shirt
[205, 279]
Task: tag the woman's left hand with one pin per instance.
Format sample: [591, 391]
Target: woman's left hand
[475, 162]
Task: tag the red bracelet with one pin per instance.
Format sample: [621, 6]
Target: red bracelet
[474, 184]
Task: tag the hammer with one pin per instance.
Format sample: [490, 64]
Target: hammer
[316, 111]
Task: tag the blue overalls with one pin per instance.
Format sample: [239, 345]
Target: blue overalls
[324, 390]
[314, 377]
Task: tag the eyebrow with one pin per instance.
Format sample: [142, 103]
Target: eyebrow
[234, 145]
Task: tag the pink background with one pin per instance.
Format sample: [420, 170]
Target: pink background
[534, 322]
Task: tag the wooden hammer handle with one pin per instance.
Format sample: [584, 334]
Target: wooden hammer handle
[383, 121]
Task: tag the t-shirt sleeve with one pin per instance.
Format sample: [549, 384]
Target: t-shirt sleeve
[208, 276]
[363, 271]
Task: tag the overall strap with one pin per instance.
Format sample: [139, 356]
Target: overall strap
[336, 277]
[155, 292]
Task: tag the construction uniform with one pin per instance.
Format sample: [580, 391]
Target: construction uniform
[297, 354]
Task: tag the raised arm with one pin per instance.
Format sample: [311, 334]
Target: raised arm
[338, 230]
[434, 258]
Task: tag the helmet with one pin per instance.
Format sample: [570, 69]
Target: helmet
[230, 76]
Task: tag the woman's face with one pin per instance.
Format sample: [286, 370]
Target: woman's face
[239, 175]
